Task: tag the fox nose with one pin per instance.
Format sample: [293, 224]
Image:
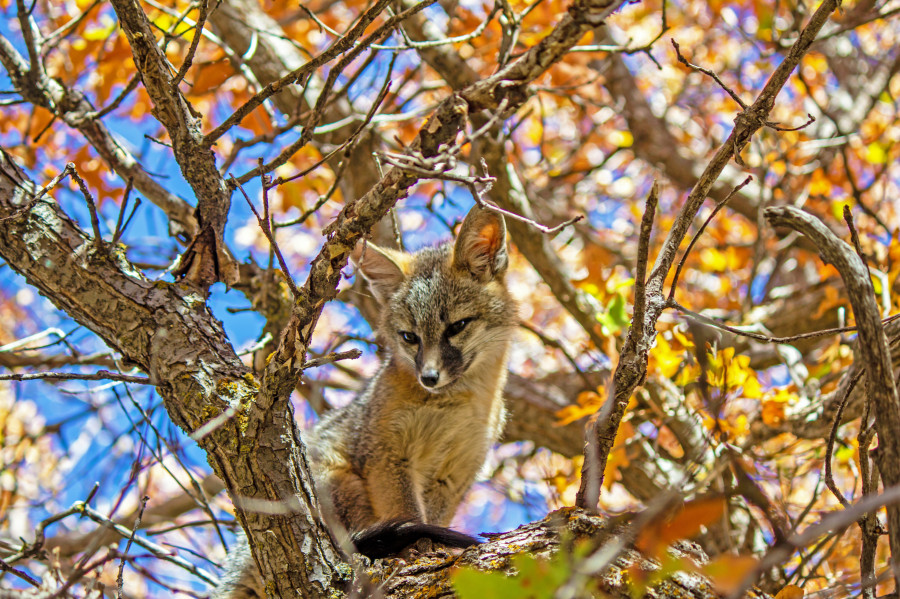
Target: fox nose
[430, 377]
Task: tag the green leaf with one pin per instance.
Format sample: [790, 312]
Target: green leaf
[474, 584]
[535, 579]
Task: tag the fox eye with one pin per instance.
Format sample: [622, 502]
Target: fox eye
[410, 338]
[457, 327]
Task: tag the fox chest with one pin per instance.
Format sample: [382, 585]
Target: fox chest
[443, 443]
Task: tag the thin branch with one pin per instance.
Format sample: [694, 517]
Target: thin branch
[117, 234]
[195, 42]
[24, 576]
[267, 231]
[643, 255]
[52, 40]
[92, 207]
[350, 354]
[710, 73]
[117, 101]
[100, 375]
[766, 338]
[37, 197]
[137, 524]
[854, 236]
[690, 246]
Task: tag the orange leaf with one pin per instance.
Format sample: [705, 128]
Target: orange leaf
[683, 524]
[790, 591]
[772, 412]
[727, 572]
[210, 76]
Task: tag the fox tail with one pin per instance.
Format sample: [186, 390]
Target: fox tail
[391, 537]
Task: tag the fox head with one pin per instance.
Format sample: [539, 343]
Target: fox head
[446, 312]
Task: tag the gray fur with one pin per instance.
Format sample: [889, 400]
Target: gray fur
[405, 450]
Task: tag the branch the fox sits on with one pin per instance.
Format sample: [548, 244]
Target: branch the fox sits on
[393, 465]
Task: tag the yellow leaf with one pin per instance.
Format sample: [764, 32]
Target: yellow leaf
[622, 139]
[819, 184]
[877, 153]
[713, 260]
[751, 387]
[588, 403]
[666, 360]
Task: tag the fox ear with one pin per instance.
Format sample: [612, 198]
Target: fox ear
[481, 244]
[380, 268]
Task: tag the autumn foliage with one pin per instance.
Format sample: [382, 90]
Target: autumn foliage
[749, 426]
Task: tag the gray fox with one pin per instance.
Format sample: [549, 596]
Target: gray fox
[393, 465]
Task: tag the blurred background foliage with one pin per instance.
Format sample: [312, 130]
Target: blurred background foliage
[599, 127]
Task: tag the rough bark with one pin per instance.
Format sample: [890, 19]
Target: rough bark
[430, 576]
[167, 330]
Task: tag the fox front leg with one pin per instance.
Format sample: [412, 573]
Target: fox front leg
[349, 499]
[394, 489]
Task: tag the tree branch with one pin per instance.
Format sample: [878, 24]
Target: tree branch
[873, 347]
[206, 260]
[632, 367]
[168, 332]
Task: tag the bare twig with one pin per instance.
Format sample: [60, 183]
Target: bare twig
[23, 575]
[117, 234]
[100, 375]
[267, 231]
[710, 73]
[690, 246]
[829, 447]
[137, 525]
[195, 42]
[854, 236]
[767, 338]
[92, 207]
[350, 354]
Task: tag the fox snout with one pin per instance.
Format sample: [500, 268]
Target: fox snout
[430, 372]
[429, 377]
[438, 363]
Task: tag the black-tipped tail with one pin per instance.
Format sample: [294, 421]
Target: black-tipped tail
[391, 537]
